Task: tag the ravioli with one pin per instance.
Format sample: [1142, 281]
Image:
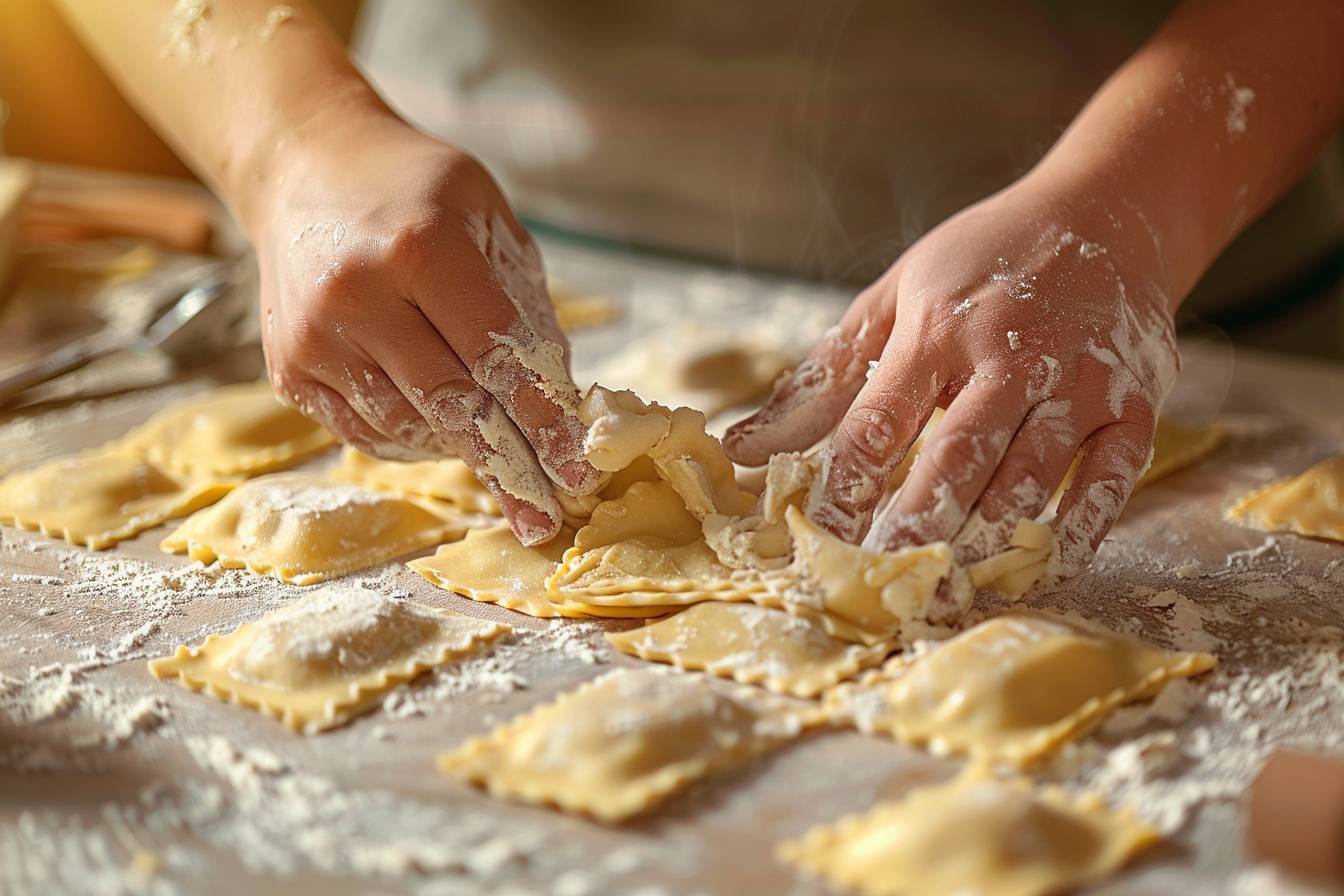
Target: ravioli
[1010, 690]
[625, 742]
[234, 430]
[328, 657]
[752, 644]
[974, 835]
[303, 529]
[1177, 445]
[856, 594]
[448, 480]
[644, 549]
[1310, 504]
[100, 497]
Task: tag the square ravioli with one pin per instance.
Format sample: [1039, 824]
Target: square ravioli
[752, 644]
[974, 835]
[328, 657]
[622, 744]
[100, 497]
[234, 430]
[1011, 689]
[303, 529]
[448, 480]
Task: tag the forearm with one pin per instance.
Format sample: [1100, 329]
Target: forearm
[236, 90]
[1207, 124]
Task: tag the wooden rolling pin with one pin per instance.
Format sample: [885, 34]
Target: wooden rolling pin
[1297, 814]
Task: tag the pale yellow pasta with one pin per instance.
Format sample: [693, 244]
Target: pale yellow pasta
[304, 529]
[752, 644]
[448, 480]
[975, 835]
[1310, 504]
[328, 657]
[233, 430]
[620, 745]
[100, 497]
[1010, 690]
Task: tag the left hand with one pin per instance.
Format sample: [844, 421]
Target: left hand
[1041, 320]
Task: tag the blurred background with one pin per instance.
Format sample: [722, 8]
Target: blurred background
[507, 84]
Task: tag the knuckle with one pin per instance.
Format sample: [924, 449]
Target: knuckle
[872, 431]
[954, 457]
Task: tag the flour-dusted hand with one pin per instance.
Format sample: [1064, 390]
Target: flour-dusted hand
[1043, 325]
[405, 307]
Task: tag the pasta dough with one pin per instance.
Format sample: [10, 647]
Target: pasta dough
[448, 480]
[103, 496]
[328, 657]
[621, 427]
[1310, 504]
[1013, 572]
[577, 311]
[235, 430]
[975, 835]
[855, 594]
[1177, 445]
[752, 644]
[622, 744]
[643, 549]
[303, 529]
[1010, 690]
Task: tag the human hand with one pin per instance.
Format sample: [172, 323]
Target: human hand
[405, 308]
[1041, 321]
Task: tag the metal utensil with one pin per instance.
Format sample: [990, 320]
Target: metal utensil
[189, 327]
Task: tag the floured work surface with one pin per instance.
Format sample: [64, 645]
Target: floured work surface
[110, 780]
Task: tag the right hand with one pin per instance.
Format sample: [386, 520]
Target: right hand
[405, 308]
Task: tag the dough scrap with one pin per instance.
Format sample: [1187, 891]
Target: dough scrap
[1310, 504]
[1010, 690]
[448, 480]
[99, 497]
[1177, 445]
[975, 835]
[1013, 572]
[643, 549]
[752, 644]
[622, 744]
[621, 427]
[303, 529]
[328, 657]
[693, 462]
[234, 430]
[856, 594]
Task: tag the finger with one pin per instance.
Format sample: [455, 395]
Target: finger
[1113, 457]
[438, 386]
[324, 404]
[959, 461]
[810, 401]
[490, 322]
[871, 441]
[407, 435]
[1031, 470]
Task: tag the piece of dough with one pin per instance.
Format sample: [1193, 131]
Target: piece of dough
[644, 548]
[100, 497]
[693, 463]
[1310, 504]
[621, 427]
[1177, 445]
[974, 835]
[620, 745]
[1011, 689]
[328, 657]
[577, 311]
[752, 644]
[856, 594]
[303, 529]
[234, 430]
[448, 480]
[1013, 572]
